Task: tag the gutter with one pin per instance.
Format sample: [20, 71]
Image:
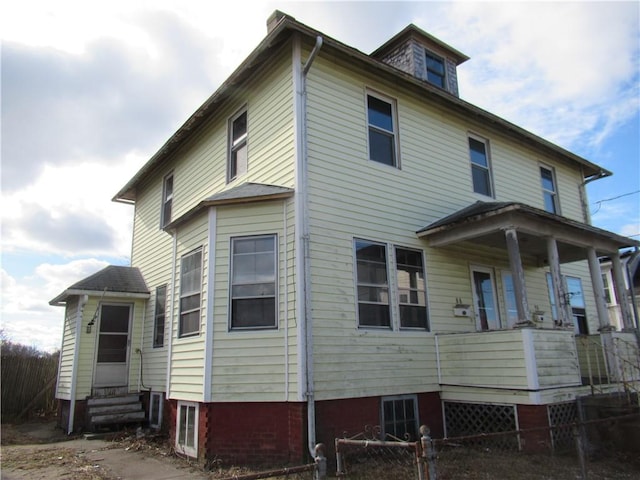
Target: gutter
[303, 272]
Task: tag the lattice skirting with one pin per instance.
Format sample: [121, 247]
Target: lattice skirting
[475, 418]
[562, 414]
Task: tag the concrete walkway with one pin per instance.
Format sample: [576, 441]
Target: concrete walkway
[116, 460]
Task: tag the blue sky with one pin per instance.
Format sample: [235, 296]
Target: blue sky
[91, 90]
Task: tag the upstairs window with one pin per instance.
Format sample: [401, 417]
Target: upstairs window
[480, 166]
[167, 200]
[253, 282]
[549, 192]
[412, 290]
[373, 284]
[159, 317]
[190, 293]
[238, 159]
[435, 70]
[382, 130]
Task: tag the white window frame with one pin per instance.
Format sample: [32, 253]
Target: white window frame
[167, 200]
[435, 56]
[190, 293]
[233, 172]
[160, 397]
[185, 448]
[474, 295]
[511, 313]
[488, 169]
[276, 302]
[552, 193]
[403, 398]
[393, 133]
[393, 289]
[159, 317]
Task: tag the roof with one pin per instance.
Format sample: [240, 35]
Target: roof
[245, 193]
[111, 281]
[280, 32]
[485, 222]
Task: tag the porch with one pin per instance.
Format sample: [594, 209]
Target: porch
[537, 365]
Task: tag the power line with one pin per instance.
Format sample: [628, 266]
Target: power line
[600, 202]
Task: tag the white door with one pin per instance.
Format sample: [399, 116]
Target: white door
[484, 299]
[112, 357]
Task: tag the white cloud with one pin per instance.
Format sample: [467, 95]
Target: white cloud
[27, 318]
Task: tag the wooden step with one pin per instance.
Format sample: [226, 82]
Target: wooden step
[117, 408]
[120, 399]
[122, 417]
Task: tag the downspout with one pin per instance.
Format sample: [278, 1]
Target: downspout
[583, 194]
[74, 371]
[303, 273]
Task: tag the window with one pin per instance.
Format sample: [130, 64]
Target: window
[400, 417]
[238, 146]
[190, 293]
[187, 428]
[373, 284]
[549, 190]
[382, 130]
[435, 70]
[158, 325]
[412, 290]
[509, 298]
[253, 282]
[480, 167]
[575, 296]
[155, 410]
[167, 200]
[607, 289]
[375, 302]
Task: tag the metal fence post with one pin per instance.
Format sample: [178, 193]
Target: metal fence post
[580, 447]
[428, 452]
[339, 465]
[320, 473]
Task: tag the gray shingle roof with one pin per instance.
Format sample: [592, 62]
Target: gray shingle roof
[112, 279]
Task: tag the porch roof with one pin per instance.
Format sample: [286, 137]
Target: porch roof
[111, 281]
[485, 222]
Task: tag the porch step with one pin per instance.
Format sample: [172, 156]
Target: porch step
[115, 410]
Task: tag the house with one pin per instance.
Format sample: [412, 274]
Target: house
[334, 240]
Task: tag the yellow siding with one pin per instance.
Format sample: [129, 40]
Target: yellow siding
[65, 367]
[251, 365]
[556, 358]
[187, 353]
[495, 359]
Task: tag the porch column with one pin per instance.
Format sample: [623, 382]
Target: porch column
[598, 289]
[621, 292]
[560, 299]
[517, 272]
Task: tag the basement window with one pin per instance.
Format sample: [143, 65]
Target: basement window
[155, 410]
[187, 429]
[400, 417]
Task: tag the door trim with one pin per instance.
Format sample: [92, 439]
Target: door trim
[128, 349]
[490, 271]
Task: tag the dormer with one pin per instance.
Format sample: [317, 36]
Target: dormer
[417, 53]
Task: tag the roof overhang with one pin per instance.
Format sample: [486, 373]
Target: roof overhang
[485, 225]
[243, 194]
[281, 32]
[61, 300]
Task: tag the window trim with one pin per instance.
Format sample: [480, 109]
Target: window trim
[395, 133]
[187, 450]
[394, 398]
[276, 277]
[243, 141]
[157, 315]
[475, 268]
[181, 333]
[160, 396]
[509, 320]
[167, 199]
[435, 56]
[554, 193]
[358, 284]
[488, 169]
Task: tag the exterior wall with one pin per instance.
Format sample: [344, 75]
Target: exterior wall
[556, 358]
[65, 366]
[187, 353]
[254, 365]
